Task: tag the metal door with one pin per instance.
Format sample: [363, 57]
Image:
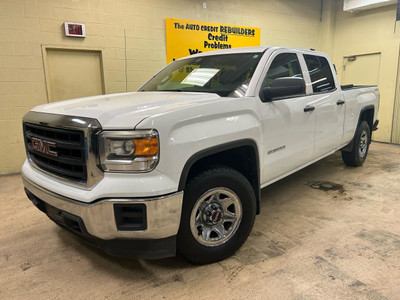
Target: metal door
[73, 73]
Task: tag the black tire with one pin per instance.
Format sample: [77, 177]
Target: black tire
[214, 198]
[358, 154]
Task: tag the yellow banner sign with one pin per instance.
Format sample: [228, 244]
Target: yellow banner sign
[186, 37]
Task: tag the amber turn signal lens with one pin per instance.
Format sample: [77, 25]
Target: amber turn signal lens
[146, 147]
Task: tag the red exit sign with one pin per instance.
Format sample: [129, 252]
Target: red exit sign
[74, 29]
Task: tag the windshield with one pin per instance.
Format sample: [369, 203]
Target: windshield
[225, 75]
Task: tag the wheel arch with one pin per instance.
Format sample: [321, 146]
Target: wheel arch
[229, 155]
[366, 114]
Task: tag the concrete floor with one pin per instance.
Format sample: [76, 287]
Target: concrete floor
[313, 240]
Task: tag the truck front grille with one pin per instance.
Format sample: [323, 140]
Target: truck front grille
[58, 151]
[64, 147]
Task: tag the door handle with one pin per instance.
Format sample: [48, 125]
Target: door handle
[340, 102]
[309, 108]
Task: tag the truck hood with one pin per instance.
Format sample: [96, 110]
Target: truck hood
[125, 110]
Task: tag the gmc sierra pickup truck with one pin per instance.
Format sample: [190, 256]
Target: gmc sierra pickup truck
[179, 164]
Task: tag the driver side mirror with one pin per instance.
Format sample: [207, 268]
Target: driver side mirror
[283, 87]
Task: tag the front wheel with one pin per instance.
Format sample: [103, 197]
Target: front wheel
[218, 214]
[358, 154]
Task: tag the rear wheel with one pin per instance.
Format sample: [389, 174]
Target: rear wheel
[218, 214]
[358, 154]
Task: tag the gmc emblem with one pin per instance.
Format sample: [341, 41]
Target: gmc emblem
[43, 146]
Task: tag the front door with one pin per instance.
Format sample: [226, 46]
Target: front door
[288, 125]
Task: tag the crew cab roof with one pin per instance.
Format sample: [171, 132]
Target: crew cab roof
[259, 49]
[231, 51]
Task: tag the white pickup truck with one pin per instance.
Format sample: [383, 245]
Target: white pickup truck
[179, 164]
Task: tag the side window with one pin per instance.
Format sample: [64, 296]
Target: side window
[284, 78]
[283, 65]
[320, 73]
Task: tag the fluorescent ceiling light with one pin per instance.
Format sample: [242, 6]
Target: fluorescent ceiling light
[357, 5]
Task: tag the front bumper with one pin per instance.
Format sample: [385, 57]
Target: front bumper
[96, 221]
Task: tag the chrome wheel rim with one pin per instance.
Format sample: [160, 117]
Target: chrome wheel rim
[216, 216]
[363, 143]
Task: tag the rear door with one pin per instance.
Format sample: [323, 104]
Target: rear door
[287, 125]
[329, 104]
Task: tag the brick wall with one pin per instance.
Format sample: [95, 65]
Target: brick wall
[26, 25]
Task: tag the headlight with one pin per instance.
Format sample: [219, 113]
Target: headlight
[124, 151]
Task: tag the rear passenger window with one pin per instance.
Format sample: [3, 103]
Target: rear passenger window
[320, 73]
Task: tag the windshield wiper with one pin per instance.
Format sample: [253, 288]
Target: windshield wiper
[184, 90]
[173, 90]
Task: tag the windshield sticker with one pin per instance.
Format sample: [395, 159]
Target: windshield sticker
[199, 77]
